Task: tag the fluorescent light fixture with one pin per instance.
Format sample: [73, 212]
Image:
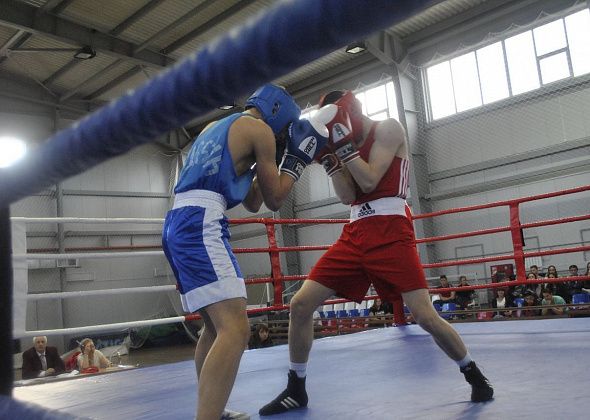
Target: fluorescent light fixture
[356, 47]
[85, 53]
[227, 107]
[11, 150]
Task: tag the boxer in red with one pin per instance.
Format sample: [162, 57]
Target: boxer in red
[368, 164]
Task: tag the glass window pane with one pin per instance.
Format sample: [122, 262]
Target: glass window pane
[376, 99]
[549, 37]
[440, 86]
[492, 73]
[554, 68]
[362, 98]
[578, 34]
[391, 101]
[522, 63]
[380, 116]
[466, 82]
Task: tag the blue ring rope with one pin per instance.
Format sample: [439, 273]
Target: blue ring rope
[285, 37]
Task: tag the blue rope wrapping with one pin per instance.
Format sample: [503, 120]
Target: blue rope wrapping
[287, 36]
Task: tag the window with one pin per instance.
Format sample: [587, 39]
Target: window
[378, 102]
[520, 63]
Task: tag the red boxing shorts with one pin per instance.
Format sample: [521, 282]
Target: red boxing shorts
[379, 250]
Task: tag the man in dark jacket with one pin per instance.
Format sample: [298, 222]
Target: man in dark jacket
[41, 360]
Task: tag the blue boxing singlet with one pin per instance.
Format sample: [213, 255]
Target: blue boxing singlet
[209, 166]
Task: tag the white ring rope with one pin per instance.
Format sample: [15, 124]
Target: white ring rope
[81, 255]
[101, 292]
[89, 220]
[104, 327]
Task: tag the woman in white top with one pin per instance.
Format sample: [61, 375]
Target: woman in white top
[502, 301]
[90, 357]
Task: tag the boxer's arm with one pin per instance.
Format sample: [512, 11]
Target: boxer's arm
[344, 186]
[253, 200]
[389, 139]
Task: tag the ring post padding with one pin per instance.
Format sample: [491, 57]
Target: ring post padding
[6, 365]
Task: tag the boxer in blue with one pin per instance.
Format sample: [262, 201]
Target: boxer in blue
[233, 160]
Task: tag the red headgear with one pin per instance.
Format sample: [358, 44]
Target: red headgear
[346, 100]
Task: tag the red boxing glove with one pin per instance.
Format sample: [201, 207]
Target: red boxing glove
[341, 140]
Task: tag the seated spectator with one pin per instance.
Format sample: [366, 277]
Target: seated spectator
[380, 308]
[535, 270]
[586, 286]
[530, 299]
[41, 360]
[464, 299]
[552, 270]
[260, 338]
[574, 287]
[445, 297]
[90, 358]
[534, 288]
[550, 299]
[502, 301]
[516, 291]
[559, 289]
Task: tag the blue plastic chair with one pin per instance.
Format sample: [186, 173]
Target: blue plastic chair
[437, 307]
[342, 313]
[365, 312]
[447, 307]
[581, 298]
[519, 302]
[330, 314]
[353, 313]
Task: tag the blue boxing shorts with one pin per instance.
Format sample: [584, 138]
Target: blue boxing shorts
[195, 239]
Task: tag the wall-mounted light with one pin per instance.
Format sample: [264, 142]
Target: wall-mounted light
[356, 47]
[85, 53]
[11, 150]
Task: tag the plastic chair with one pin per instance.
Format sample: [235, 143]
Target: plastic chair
[437, 307]
[365, 312]
[519, 302]
[354, 313]
[447, 307]
[581, 298]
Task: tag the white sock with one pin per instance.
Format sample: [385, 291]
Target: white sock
[464, 361]
[299, 368]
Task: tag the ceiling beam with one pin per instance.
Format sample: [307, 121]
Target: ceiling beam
[114, 82]
[21, 16]
[140, 13]
[55, 6]
[236, 8]
[15, 41]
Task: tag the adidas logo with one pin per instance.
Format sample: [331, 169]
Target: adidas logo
[365, 210]
[289, 403]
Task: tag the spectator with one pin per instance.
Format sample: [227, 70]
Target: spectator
[574, 287]
[550, 299]
[552, 270]
[516, 291]
[464, 298]
[380, 308]
[502, 301]
[530, 299]
[90, 357]
[535, 270]
[586, 287]
[559, 289]
[533, 287]
[260, 338]
[41, 360]
[445, 297]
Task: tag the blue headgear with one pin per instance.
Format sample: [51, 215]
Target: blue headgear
[276, 106]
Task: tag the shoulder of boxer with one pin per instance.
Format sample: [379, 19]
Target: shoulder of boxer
[391, 133]
[254, 134]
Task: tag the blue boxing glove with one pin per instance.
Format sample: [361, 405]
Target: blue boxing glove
[306, 140]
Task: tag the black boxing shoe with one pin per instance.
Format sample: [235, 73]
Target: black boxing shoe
[481, 389]
[291, 398]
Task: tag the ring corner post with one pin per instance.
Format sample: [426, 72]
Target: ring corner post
[6, 345]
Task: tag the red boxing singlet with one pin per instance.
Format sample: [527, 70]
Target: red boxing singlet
[395, 181]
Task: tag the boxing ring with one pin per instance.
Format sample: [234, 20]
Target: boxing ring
[385, 373]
